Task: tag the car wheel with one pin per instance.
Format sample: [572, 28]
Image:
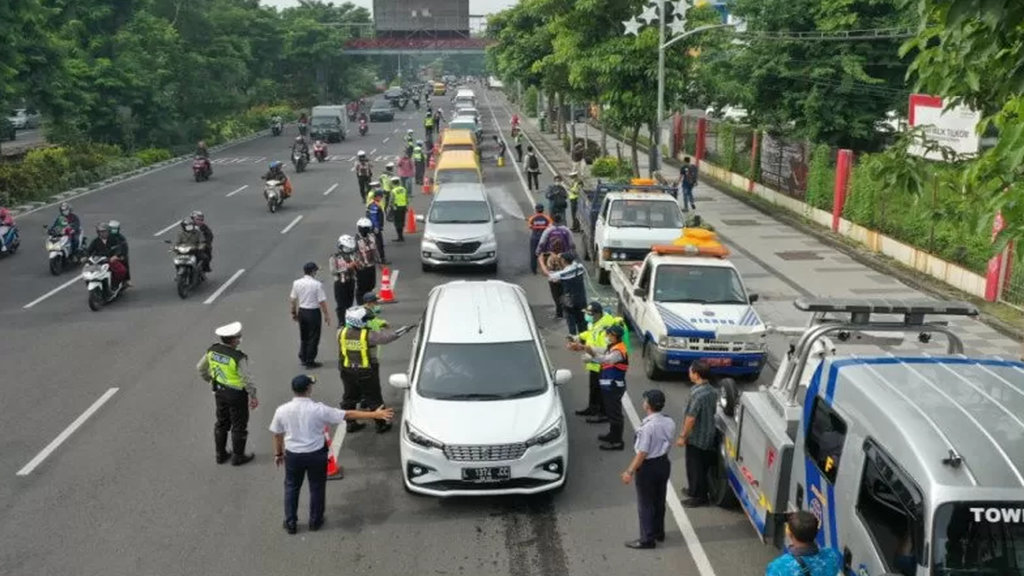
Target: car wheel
[650, 365]
[427, 267]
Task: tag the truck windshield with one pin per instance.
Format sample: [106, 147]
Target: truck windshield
[703, 284]
[979, 539]
[492, 371]
[645, 214]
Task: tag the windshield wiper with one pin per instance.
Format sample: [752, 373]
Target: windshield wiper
[522, 393]
[732, 301]
[471, 396]
[631, 225]
[680, 300]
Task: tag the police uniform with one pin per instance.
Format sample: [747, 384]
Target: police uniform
[612, 380]
[428, 127]
[375, 212]
[594, 336]
[399, 205]
[574, 202]
[344, 267]
[538, 223]
[223, 366]
[420, 162]
[360, 369]
[653, 440]
[364, 171]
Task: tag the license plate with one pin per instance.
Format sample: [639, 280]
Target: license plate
[719, 361]
[496, 474]
[459, 258]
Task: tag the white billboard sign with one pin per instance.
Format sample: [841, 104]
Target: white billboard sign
[956, 128]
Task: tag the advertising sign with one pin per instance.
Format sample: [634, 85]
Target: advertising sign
[956, 128]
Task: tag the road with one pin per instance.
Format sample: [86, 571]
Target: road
[23, 139]
[133, 489]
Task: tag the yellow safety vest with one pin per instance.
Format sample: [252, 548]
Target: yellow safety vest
[428, 122]
[385, 183]
[399, 197]
[596, 338]
[348, 347]
[574, 191]
[223, 364]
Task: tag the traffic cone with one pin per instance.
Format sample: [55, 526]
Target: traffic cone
[501, 161]
[410, 221]
[334, 471]
[386, 295]
[426, 185]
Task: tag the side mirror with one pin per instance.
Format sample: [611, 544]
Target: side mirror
[562, 377]
[421, 218]
[638, 291]
[499, 217]
[400, 381]
[753, 298]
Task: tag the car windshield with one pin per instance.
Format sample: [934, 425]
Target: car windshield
[381, 105]
[458, 147]
[460, 212]
[704, 284]
[645, 214]
[492, 371]
[458, 177]
[979, 539]
[325, 121]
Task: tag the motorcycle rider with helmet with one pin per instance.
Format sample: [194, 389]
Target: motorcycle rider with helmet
[369, 256]
[107, 246]
[276, 172]
[68, 219]
[206, 257]
[115, 233]
[189, 235]
[302, 147]
[6, 224]
[344, 266]
[203, 152]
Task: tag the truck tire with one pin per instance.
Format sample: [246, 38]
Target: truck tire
[602, 276]
[730, 396]
[650, 366]
[752, 377]
[721, 493]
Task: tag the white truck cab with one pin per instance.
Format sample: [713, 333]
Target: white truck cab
[690, 304]
[629, 223]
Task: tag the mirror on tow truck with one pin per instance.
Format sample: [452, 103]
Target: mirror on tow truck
[638, 291]
[753, 298]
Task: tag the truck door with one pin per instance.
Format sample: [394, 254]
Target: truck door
[642, 306]
[819, 450]
[599, 227]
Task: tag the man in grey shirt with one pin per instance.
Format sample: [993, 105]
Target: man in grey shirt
[652, 468]
[699, 434]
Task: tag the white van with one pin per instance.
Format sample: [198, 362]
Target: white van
[482, 413]
[465, 97]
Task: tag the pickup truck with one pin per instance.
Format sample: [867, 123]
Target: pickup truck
[689, 303]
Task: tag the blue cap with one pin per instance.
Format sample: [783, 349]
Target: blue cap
[302, 382]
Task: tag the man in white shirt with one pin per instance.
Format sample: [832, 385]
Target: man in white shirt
[309, 308]
[298, 428]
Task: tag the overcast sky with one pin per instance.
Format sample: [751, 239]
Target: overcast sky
[475, 6]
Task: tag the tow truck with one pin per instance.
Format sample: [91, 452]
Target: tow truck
[913, 464]
[688, 302]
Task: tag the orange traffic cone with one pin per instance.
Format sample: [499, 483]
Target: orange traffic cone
[386, 295]
[426, 185]
[410, 221]
[334, 472]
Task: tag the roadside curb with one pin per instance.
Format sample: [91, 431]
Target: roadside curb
[33, 206]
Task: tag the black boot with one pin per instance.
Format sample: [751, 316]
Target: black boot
[220, 443]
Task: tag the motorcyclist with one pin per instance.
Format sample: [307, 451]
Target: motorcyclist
[301, 146]
[191, 236]
[6, 223]
[303, 124]
[276, 172]
[105, 245]
[202, 151]
[276, 122]
[67, 219]
[199, 219]
[115, 233]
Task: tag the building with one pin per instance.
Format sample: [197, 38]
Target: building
[421, 18]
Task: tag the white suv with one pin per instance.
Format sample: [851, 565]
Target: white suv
[482, 413]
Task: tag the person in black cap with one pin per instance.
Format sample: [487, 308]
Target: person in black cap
[309, 308]
[299, 443]
[614, 364]
[651, 468]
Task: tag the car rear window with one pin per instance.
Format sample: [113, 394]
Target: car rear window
[458, 177]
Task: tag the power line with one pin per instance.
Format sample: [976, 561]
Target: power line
[841, 36]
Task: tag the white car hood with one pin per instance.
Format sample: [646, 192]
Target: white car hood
[458, 232]
[483, 422]
[639, 237]
[722, 321]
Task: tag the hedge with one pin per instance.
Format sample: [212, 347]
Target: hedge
[47, 171]
[611, 168]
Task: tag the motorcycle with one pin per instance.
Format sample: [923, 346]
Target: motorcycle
[303, 128]
[363, 127]
[9, 239]
[416, 102]
[320, 151]
[188, 274]
[59, 248]
[299, 160]
[97, 276]
[273, 193]
[201, 169]
[276, 128]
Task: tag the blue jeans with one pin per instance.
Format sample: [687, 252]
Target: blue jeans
[688, 197]
[296, 467]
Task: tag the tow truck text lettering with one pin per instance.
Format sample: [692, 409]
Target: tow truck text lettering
[993, 515]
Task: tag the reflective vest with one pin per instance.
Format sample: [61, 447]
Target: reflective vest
[539, 222]
[376, 324]
[223, 361]
[417, 157]
[614, 375]
[364, 169]
[574, 190]
[596, 338]
[519, 139]
[399, 197]
[428, 122]
[385, 183]
[354, 352]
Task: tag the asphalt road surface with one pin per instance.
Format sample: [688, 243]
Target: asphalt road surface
[132, 488]
[23, 139]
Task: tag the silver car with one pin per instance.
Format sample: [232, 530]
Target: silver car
[24, 118]
[459, 229]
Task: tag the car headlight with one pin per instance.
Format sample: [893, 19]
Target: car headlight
[549, 435]
[673, 342]
[421, 439]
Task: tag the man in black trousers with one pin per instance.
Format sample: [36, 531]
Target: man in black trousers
[309, 309]
[651, 468]
[698, 434]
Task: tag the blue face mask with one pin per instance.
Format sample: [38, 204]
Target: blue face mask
[589, 318]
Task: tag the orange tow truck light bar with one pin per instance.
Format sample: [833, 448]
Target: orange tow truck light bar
[694, 242]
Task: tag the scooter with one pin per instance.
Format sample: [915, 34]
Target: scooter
[60, 253]
[303, 128]
[9, 240]
[97, 276]
[299, 160]
[201, 169]
[273, 193]
[188, 275]
[320, 151]
[276, 128]
[363, 127]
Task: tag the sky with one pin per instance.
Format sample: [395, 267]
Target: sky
[475, 6]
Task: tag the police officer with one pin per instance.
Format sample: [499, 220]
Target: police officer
[420, 162]
[651, 468]
[399, 205]
[224, 366]
[344, 266]
[612, 380]
[594, 336]
[538, 223]
[374, 320]
[375, 212]
[385, 179]
[360, 369]
[428, 125]
[364, 172]
[575, 187]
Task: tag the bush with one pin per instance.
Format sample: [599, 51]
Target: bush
[611, 168]
[153, 155]
[530, 105]
[821, 176]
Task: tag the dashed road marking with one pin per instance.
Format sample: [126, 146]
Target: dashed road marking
[292, 224]
[233, 192]
[224, 286]
[66, 433]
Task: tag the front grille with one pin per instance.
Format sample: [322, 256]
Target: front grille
[524, 483]
[485, 453]
[458, 247]
[711, 345]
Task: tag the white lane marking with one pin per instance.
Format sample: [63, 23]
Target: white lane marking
[28, 468]
[512, 156]
[372, 152]
[395, 131]
[333, 186]
[260, 159]
[385, 141]
[528, 140]
[230, 194]
[224, 286]
[353, 169]
[52, 292]
[700, 558]
[166, 230]
[352, 159]
[292, 224]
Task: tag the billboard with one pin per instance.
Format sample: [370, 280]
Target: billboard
[442, 17]
[956, 128]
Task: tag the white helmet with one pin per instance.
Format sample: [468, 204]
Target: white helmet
[389, 166]
[346, 243]
[364, 223]
[355, 317]
[361, 153]
[409, 131]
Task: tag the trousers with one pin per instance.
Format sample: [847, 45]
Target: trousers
[379, 235]
[574, 204]
[698, 464]
[232, 416]
[344, 298]
[651, 485]
[399, 214]
[420, 169]
[595, 402]
[364, 186]
[575, 320]
[532, 180]
[366, 281]
[309, 334]
[688, 197]
[297, 467]
[612, 397]
[361, 386]
[556, 295]
[534, 242]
